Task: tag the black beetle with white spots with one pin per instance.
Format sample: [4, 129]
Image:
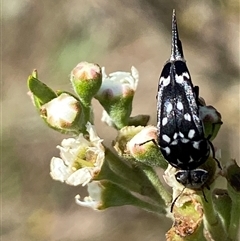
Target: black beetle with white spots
[180, 134]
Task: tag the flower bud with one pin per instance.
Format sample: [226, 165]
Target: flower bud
[211, 119]
[116, 95]
[144, 148]
[63, 113]
[86, 79]
[124, 136]
[140, 143]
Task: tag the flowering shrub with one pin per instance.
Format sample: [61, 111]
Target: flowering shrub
[127, 176]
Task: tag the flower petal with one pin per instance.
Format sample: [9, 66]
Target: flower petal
[58, 169]
[94, 199]
[81, 176]
[87, 202]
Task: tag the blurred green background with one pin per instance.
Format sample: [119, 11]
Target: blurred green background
[53, 36]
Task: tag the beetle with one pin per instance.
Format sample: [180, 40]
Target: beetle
[180, 132]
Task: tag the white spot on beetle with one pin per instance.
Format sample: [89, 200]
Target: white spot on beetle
[185, 140]
[187, 117]
[164, 121]
[191, 160]
[196, 145]
[166, 138]
[180, 134]
[185, 74]
[167, 150]
[179, 79]
[175, 135]
[175, 142]
[178, 162]
[165, 81]
[168, 107]
[179, 105]
[191, 134]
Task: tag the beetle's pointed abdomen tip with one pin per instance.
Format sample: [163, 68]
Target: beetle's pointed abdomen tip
[174, 16]
[176, 52]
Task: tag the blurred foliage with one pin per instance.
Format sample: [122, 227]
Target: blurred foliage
[53, 36]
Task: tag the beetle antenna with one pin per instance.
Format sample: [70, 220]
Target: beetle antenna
[176, 198]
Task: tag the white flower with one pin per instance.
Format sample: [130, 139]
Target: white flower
[61, 111]
[118, 83]
[94, 199]
[81, 159]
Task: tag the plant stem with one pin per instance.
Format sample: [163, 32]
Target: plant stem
[119, 167]
[212, 221]
[150, 207]
[154, 179]
[115, 195]
[130, 178]
[107, 174]
[234, 221]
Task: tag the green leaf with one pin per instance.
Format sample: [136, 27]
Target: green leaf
[41, 92]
